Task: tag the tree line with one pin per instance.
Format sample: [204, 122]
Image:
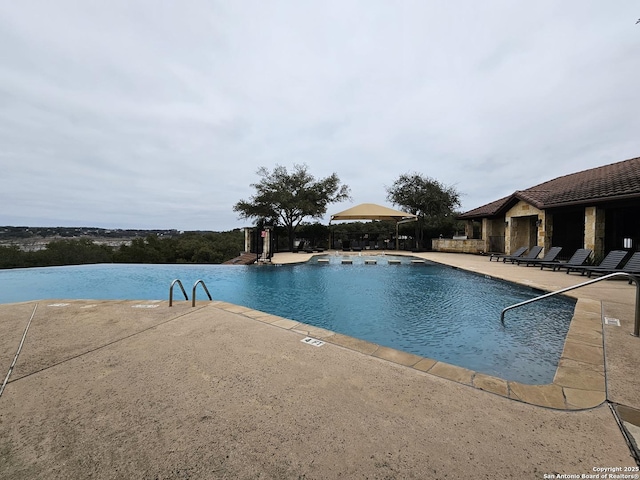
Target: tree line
[189, 247]
[282, 200]
[216, 247]
[285, 199]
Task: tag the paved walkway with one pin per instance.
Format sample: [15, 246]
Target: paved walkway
[140, 390]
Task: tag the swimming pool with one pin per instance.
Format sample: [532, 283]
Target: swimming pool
[423, 308]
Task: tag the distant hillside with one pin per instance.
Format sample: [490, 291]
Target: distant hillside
[36, 238]
[47, 246]
[33, 239]
[8, 233]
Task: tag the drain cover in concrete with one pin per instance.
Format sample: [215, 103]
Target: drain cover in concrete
[312, 341]
[611, 321]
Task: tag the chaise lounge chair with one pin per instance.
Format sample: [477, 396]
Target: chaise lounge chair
[578, 258]
[549, 257]
[517, 253]
[612, 260]
[632, 266]
[532, 255]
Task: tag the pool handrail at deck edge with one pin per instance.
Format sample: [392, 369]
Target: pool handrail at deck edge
[635, 278]
[193, 292]
[181, 288]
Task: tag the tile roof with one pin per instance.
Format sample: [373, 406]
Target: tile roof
[609, 182]
[487, 210]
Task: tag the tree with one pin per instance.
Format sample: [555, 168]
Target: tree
[287, 198]
[11, 257]
[315, 233]
[73, 252]
[433, 202]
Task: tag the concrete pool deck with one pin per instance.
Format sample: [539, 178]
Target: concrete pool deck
[134, 389]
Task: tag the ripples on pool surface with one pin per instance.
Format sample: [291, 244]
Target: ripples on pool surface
[427, 309]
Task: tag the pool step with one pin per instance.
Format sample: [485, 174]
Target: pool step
[242, 259]
[326, 261]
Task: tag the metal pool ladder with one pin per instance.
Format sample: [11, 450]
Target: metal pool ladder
[636, 279]
[193, 291]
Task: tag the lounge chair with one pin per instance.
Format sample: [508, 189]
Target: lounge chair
[613, 259]
[632, 266]
[549, 257]
[578, 258]
[531, 255]
[517, 253]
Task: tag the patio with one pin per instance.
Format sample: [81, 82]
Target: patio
[124, 389]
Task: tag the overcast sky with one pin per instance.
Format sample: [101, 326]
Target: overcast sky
[157, 114]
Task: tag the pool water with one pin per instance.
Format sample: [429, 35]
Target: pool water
[422, 308]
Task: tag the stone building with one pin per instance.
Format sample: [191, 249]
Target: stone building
[597, 209]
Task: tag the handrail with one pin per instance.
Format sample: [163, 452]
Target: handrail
[193, 292]
[636, 279]
[171, 291]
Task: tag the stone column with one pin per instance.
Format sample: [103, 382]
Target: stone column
[247, 239]
[547, 231]
[486, 233]
[266, 246]
[594, 230]
[468, 228]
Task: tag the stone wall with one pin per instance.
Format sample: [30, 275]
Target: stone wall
[458, 246]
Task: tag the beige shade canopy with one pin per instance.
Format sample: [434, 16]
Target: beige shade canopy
[371, 211]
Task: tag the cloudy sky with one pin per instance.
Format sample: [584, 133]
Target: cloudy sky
[153, 114]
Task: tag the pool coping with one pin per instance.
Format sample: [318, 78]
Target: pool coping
[578, 384]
